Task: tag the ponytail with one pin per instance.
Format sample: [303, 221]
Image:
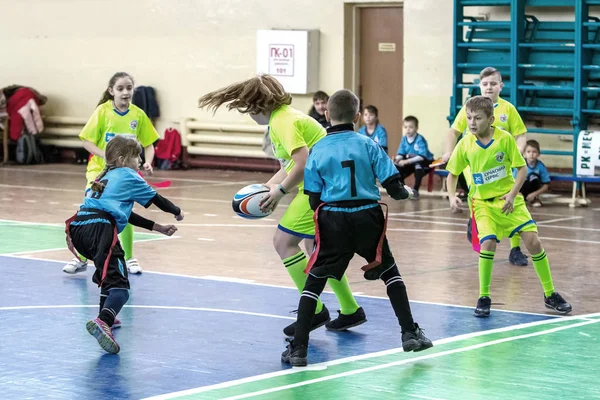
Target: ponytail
[97, 185]
[106, 96]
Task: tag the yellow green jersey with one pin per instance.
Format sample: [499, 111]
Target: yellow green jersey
[506, 117]
[106, 122]
[490, 164]
[289, 130]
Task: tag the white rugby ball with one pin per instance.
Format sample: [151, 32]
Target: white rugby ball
[246, 202]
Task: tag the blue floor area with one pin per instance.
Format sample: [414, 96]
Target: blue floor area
[47, 353]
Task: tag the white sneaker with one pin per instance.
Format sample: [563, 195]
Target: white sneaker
[133, 267]
[74, 266]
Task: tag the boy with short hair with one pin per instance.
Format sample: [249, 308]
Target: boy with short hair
[340, 180]
[498, 208]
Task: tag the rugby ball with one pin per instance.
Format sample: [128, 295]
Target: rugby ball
[246, 202]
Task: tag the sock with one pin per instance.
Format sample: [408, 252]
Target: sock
[306, 309]
[419, 174]
[127, 241]
[103, 296]
[542, 269]
[295, 266]
[396, 291]
[515, 241]
[344, 295]
[486, 262]
[113, 304]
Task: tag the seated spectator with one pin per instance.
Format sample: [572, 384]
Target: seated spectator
[413, 154]
[372, 128]
[317, 111]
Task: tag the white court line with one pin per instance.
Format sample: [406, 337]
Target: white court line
[324, 365]
[572, 228]
[219, 310]
[569, 240]
[43, 188]
[421, 221]
[421, 211]
[409, 361]
[558, 220]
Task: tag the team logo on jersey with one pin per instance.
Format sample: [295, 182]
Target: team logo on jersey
[417, 147]
[503, 117]
[500, 156]
[133, 124]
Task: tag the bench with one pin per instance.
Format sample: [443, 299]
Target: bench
[578, 197]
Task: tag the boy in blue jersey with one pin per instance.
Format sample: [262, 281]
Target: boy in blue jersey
[93, 230]
[538, 178]
[340, 180]
[413, 155]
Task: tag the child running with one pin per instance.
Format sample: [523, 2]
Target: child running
[93, 230]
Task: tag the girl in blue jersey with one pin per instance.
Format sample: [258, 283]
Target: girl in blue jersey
[93, 230]
[372, 128]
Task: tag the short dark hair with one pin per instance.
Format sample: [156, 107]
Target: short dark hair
[320, 95]
[535, 144]
[343, 106]
[413, 119]
[480, 103]
[489, 71]
[373, 110]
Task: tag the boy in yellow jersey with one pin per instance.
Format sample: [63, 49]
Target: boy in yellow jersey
[507, 118]
[499, 209]
[292, 134]
[116, 115]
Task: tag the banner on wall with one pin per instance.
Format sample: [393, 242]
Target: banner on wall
[588, 153]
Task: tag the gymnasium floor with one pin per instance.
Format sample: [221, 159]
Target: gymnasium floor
[204, 320]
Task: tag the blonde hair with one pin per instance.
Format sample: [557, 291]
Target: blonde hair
[118, 148]
[480, 103]
[489, 71]
[261, 94]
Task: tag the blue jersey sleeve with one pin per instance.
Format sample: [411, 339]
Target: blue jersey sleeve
[403, 147]
[139, 190]
[422, 148]
[382, 136]
[544, 175]
[313, 182]
[383, 167]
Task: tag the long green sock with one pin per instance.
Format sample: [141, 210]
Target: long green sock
[515, 241]
[542, 269]
[344, 295]
[126, 238]
[486, 262]
[295, 266]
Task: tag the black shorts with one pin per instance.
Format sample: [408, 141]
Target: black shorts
[345, 233]
[93, 234]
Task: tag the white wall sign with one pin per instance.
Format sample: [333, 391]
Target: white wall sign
[588, 153]
[290, 56]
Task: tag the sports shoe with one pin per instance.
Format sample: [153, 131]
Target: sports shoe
[516, 257]
[536, 203]
[74, 266]
[103, 334]
[556, 302]
[133, 266]
[415, 195]
[294, 355]
[344, 322]
[116, 324]
[415, 340]
[318, 321]
[483, 307]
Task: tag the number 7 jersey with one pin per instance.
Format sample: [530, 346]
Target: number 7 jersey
[344, 166]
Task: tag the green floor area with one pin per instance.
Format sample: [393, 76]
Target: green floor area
[20, 237]
[550, 361]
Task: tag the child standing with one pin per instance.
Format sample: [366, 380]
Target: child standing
[497, 207]
[413, 155]
[538, 179]
[106, 210]
[292, 134]
[114, 116]
[507, 118]
[340, 181]
[372, 128]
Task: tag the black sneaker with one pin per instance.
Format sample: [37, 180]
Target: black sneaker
[295, 355]
[318, 321]
[556, 302]
[343, 322]
[483, 307]
[415, 340]
[516, 257]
